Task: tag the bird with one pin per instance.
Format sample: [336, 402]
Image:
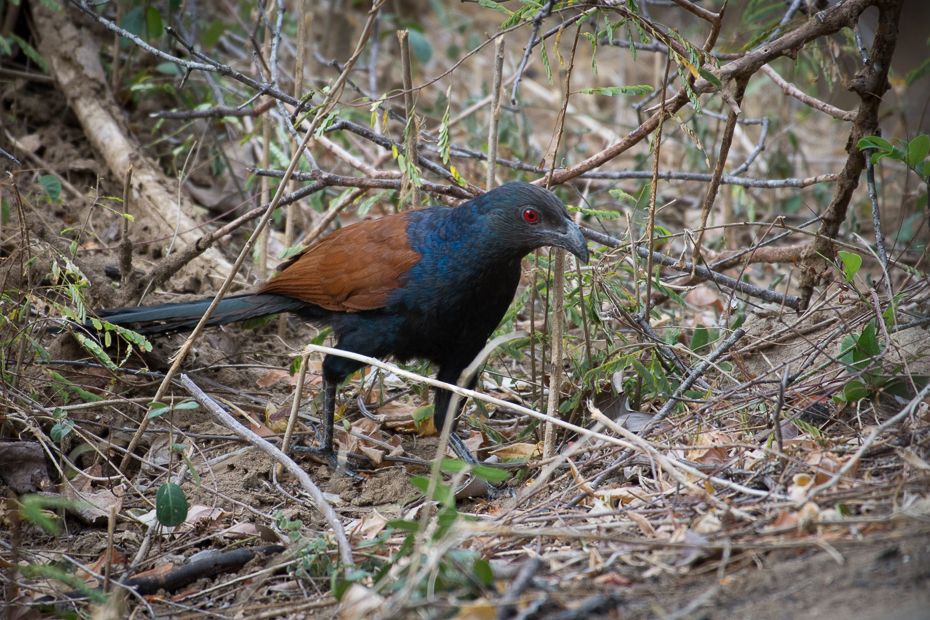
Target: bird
[431, 283]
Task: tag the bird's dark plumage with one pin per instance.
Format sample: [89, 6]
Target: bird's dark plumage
[430, 283]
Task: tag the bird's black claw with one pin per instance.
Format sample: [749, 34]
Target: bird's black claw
[494, 493]
[328, 455]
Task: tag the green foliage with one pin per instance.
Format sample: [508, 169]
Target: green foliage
[913, 153]
[157, 409]
[485, 472]
[420, 45]
[851, 264]
[170, 505]
[52, 186]
[613, 91]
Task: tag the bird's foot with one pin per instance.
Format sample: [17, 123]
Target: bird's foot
[495, 493]
[331, 458]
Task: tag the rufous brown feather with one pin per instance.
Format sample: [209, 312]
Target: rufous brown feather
[355, 268]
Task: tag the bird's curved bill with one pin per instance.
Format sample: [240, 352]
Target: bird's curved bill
[573, 241]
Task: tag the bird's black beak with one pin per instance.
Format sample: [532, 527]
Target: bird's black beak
[573, 241]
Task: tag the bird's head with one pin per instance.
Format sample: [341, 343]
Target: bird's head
[530, 217]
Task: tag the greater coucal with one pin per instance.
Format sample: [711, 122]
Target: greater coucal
[429, 283]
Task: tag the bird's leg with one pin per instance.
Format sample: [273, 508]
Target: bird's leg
[325, 450]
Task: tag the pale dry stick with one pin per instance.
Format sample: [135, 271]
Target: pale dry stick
[345, 551]
[446, 431]
[708, 16]
[653, 192]
[558, 282]
[355, 162]
[265, 194]
[854, 460]
[111, 528]
[295, 406]
[412, 129]
[466, 393]
[322, 112]
[677, 469]
[793, 91]
[293, 209]
[555, 353]
[725, 141]
[125, 244]
[493, 137]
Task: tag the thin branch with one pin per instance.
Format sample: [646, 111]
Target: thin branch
[817, 104]
[319, 500]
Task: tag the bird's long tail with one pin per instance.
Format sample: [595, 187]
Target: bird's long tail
[185, 316]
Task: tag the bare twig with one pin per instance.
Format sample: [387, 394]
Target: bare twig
[345, 550]
[495, 111]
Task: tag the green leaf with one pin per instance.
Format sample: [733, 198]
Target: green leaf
[96, 350]
[157, 409]
[490, 4]
[483, 572]
[421, 414]
[30, 52]
[170, 505]
[168, 68]
[613, 91]
[853, 391]
[600, 213]
[545, 60]
[188, 403]
[868, 340]
[4, 212]
[154, 23]
[710, 77]
[51, 185]
[420, 46]
[133, 23]
[699, 338]
[442, 494]
[491, 474]
[917, 74]
[60, 431]
[619, 194]
[918, 149]
[212, 34]
[444, 132]
[851, 264]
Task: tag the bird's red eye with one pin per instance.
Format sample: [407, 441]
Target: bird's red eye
[530, 215]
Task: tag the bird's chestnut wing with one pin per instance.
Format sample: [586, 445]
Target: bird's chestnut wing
[355, 268]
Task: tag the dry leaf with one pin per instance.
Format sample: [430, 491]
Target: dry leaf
[707, 524]
[275, 418]
[519, 451]
[625, 495]
[275, 376]
[711, 455]
[481, 609]
[703, 297]
[644, 525]
[375, 454]
[826, 465]
[475, 441]
[359, 603]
